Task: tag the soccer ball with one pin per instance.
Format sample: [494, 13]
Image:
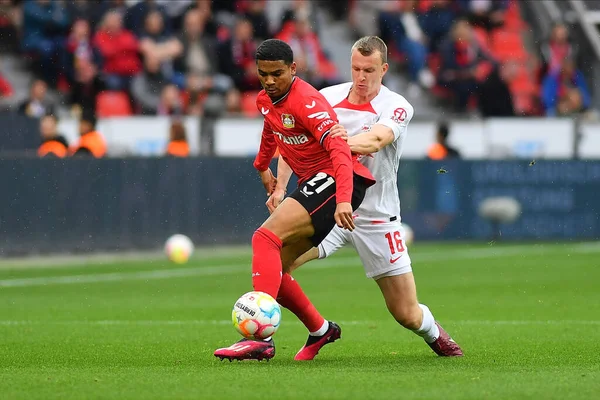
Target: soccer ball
[407, 234]
[256, 315]
[179, 248]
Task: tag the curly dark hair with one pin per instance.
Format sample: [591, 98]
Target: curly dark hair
[275, 50]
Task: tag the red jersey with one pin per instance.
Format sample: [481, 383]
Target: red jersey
[298, 124]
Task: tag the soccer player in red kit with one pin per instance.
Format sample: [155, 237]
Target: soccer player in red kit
[297, 120]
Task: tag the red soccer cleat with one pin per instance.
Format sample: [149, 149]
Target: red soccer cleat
[247, 349]
[444, 345]
[315, 343]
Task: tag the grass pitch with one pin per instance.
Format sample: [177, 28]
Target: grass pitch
[527, 317]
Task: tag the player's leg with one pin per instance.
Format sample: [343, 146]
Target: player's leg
[400, 294]
[385, 258]
[307, 213]
[328, 331]
[289, 223]
[291, 295]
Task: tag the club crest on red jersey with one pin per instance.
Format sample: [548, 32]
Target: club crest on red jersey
[288, 121]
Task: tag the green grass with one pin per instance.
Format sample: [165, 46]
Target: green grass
[527, 317]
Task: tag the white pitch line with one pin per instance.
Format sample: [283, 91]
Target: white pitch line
[207, 270]
[65, 261]
[293, 322]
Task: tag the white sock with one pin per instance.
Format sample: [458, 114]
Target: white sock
[428, 330]
[321, 330]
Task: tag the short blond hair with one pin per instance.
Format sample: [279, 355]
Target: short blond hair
[367, 45]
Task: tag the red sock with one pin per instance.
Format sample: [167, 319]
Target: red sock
[266, 262]
[293, 298]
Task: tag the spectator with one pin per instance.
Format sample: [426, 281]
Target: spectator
[135, 18]
[205, 7]
[10, 20]
[119, 49]
[81, 10]
[85, 88]
[156, 43]
[199, 55]
[175, 10]
[198, 63]
[178, 145]
[487, 14]
[558, 48]
[91, 142]
[461, 58]
[147, 87]
[53, 143]
[37, 104]
[299, 10]
[311, 63]
[254, 10]
[440, 150]
[495, 99]
[100, 8]
[79, 50]
[565, 92]
[44, 24]
[399, 23]
[170, 101]
[236, 57]
[436, 22]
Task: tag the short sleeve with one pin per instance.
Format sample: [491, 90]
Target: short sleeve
[396, 116]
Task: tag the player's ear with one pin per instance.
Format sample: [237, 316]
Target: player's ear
[386, 66]
[293, 68]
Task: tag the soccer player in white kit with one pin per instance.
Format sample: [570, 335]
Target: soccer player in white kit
[374, 121]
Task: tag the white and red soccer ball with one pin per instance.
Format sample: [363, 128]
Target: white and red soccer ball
[256, 315]
[179, 248]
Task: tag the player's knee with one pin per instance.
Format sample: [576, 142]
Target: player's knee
[409, 317]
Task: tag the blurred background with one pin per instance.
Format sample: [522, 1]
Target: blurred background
[126, 121]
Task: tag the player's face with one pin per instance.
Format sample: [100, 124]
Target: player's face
[275, 77]
[367, 73]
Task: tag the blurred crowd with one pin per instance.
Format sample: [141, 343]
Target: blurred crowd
[168, 57]
[473, 53]
[156, 57]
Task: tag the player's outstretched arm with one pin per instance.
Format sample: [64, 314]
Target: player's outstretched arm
[371, 142]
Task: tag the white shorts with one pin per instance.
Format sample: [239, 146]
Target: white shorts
[380, 246]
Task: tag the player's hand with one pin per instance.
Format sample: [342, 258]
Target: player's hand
[343, 216]
[275, 199]
[268, 180]
[338, 131]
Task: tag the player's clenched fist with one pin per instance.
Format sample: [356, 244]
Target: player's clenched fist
[268, 180]
[343, 216]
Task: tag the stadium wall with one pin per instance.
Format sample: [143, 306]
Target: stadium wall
[135, 203]
[500, 138]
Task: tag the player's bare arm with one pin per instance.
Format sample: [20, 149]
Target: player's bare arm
[284, 173]
[269, 180]
[368, 142]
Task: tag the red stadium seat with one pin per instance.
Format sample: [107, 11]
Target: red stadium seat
[113, 104]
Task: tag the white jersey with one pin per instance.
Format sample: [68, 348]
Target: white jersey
[392, 110]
